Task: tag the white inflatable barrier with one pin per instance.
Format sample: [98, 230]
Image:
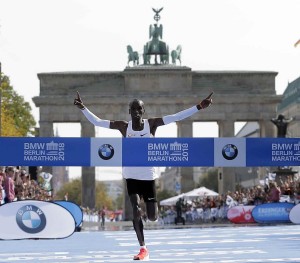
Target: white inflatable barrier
[32, 219]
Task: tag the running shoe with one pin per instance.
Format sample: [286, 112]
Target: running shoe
[143, 255]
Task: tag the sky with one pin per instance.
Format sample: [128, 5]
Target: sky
[42, 36]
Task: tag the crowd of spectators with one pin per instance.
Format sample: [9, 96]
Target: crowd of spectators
[212, 209]
[102, 215]
[16, 184]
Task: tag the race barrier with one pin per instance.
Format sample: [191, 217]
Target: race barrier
[241, 214]
[74, 209]
[294, 214]
[33, 219]
[268, 213]
[272, 213]
[158, 152]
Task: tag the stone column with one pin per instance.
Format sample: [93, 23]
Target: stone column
[185, 129]
[88, 173]
[46, 130]
[267, 129]
[226, 178]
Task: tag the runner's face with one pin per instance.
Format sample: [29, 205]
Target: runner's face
[137, 110]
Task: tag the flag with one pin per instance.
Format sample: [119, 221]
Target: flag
[262, 182]
[272, 176]
[46, 180]
[46, 176]
[230, 201]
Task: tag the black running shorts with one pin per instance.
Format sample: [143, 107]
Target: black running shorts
[145, 189]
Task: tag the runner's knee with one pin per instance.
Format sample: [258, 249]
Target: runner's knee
[152, 217]
[152, 211]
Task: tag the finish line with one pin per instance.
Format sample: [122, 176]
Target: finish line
[158, 152]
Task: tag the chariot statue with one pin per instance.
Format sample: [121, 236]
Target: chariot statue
[156, 46]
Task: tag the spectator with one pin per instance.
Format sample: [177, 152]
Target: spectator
[102, 213]
[2, 178]
[179, 205]
[274, 193]
[19, 186]
[9, 185]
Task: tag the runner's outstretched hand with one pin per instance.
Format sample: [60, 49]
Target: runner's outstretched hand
[78, 102]
[206, 102]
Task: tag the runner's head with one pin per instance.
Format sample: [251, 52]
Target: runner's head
[136, 109]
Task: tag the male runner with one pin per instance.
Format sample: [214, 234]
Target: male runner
[140, 181]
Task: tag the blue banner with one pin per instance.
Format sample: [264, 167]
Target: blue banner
[272, 213]
[159, 152]
[273, 151]
[168, 152]
[43, 151]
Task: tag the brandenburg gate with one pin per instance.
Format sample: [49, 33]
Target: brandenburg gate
[165, 89]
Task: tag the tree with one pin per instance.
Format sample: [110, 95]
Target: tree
[102, 198]
[118, 202]
[8, 127]
[16, 117]
[73, 188]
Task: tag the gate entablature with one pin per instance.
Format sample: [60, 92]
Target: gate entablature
[164, 91]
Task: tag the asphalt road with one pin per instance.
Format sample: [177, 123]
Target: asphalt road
[236, 244]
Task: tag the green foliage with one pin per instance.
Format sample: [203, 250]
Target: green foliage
[118, 203]
[73, 188]
[15, 112]
[210, 180]
[102, 198]
[7, 124]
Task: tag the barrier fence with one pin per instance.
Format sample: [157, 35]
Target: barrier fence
[158, 152]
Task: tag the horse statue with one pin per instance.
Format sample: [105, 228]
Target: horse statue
[147, 58]
[176, 54]
[132, 56]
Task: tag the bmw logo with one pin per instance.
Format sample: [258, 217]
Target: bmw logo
[106, 151]
[229, 151]
[31, 219]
